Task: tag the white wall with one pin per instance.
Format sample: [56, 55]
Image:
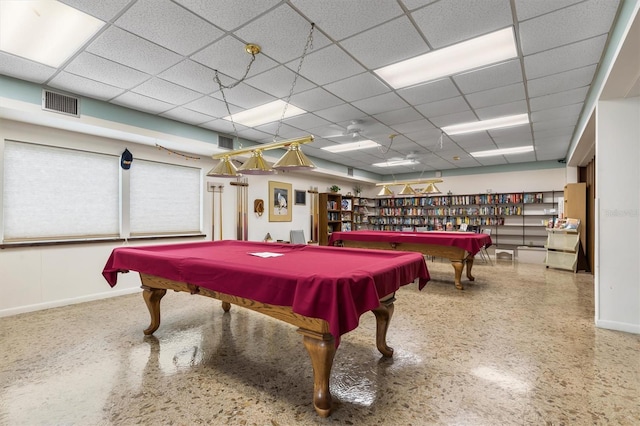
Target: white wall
[33, 278]
[617, 269]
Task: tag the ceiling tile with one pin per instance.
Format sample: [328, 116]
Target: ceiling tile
[229, 57]
[451, 21]
[398, 116]
[526, 9]
[84, 86]
[307, 121]
[497, 96]
[244, 96]
[562, 81]
[572, 56]
[223, 126]
[380, 103]
[168, 25]
[450, 119]
[340, 113]
[211, 106]
[327, 65]
[559, 99]
[187, 116]
[282, 34]
[359, 86]
[429, 92]
[108, 72]
[446, 106]
[229, 14]
[278, 82]
[419, 126]
[490, 77]
[165, 91]
[387, 44]
[127, 49]
[314, 100]
[575, 23]
[142, 103]
[354, 16]
[511, 108]
[104, 10]
[556, 113]
[24, 69]
[191, 75]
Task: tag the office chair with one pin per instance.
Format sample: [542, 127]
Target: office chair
[297, 237]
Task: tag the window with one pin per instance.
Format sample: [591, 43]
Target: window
[165, 199]
[59, 194]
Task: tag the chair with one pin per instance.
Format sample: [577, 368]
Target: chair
[407, 229]
[422, 228]
[296, 236]
[483, 251]
[463, 227]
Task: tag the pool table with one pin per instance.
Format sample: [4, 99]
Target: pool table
[459, 247]
[321, 290]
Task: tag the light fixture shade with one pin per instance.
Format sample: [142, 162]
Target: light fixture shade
[431, 189]
[407, 190]
[385, 191]
[256, 165]
[224, 168]
[293, 159]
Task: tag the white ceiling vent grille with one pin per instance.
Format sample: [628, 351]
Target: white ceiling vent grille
[57, 102]
[225, 142]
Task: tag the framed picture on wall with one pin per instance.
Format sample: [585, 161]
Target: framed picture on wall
[280, 194]
[301, 197]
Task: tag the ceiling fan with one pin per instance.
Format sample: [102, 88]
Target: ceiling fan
[354, 130]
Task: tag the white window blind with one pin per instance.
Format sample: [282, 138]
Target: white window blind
[164, 199]
[55, 193]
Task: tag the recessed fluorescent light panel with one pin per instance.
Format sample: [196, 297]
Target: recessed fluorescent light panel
[264, 114]
[503, 151]
[475, 53]
[44, 31]
[395, 163]
[494, 123]
[352, 146]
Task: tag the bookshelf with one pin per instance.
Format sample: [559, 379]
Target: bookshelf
[515, 218]
[363, 209]
[330, 216]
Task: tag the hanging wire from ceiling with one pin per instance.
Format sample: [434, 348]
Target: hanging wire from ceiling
[307, 46]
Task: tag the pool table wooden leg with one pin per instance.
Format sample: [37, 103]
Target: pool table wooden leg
[383, 314]
[469, 266]
[458, 266]
[321, 349]
[152, 297]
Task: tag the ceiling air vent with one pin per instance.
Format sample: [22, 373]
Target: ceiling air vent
[225, 142]
[57, 102]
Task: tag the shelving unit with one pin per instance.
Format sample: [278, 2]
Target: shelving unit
[363, 209]
[330, 216]
[516, 219]
[563, 248]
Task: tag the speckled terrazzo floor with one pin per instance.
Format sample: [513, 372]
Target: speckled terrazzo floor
[517, 347]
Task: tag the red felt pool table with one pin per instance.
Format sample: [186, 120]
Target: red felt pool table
[321, 290]
[459, 247]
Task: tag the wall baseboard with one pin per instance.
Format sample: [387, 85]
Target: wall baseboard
[619, 326]
[66, 302]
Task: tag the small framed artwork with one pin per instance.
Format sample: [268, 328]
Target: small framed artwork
[301, 197]
[280, 194]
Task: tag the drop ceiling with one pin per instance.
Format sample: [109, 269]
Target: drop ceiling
[159, 57]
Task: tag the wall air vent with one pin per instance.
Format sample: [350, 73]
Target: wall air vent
[57, 102]
[225, 142]
[349, 171]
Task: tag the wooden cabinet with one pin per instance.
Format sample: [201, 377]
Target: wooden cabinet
[330, 216]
